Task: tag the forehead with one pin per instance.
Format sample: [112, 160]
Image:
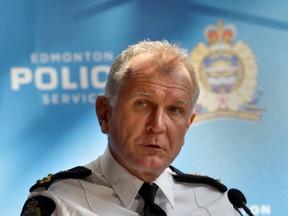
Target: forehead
[159, 62]
[158, 65]
[146, 75]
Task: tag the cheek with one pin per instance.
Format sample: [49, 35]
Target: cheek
[176, 137]
[123, 128]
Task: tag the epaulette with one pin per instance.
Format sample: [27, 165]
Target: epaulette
[197, 179]
[76, 173]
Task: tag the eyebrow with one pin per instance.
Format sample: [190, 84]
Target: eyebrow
[145, 94]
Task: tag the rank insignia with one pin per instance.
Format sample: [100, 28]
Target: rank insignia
[75, 173]
[227, 74]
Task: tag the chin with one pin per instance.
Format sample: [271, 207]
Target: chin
[153, 164]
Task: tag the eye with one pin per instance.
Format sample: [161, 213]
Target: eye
[175, 109]
[142, 103]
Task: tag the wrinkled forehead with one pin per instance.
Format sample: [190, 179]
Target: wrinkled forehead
[160, 62]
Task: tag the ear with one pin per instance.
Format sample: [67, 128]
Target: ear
[190, 120]
[103, 110]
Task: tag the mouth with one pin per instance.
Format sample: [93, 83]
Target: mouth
[153, 146]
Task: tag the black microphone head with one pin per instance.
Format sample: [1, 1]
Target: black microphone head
[236, 197]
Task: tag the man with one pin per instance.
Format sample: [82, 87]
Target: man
[146, 111]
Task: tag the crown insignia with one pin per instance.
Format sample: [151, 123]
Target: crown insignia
[220, 34]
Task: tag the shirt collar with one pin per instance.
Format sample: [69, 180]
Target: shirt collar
[164, 183]
[120, 179]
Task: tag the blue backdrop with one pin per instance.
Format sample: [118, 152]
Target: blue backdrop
[54, 59]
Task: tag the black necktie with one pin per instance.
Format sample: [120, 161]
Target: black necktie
[148, 192]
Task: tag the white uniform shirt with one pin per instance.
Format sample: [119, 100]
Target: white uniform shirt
[112, 190]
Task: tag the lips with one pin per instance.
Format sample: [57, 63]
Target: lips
[153, 146]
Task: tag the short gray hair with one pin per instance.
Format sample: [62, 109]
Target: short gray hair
[163, 48]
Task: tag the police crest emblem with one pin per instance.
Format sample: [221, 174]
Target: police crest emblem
[32, 209]
[38, 206]
[227, 74]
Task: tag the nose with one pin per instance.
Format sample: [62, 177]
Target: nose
[156, 122]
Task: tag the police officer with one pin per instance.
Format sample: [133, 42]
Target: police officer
[146, 111]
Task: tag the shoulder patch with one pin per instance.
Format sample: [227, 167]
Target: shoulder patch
[197, 179]
[76, 173]
[38, 206]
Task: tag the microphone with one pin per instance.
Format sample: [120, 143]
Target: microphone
[238, 200]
